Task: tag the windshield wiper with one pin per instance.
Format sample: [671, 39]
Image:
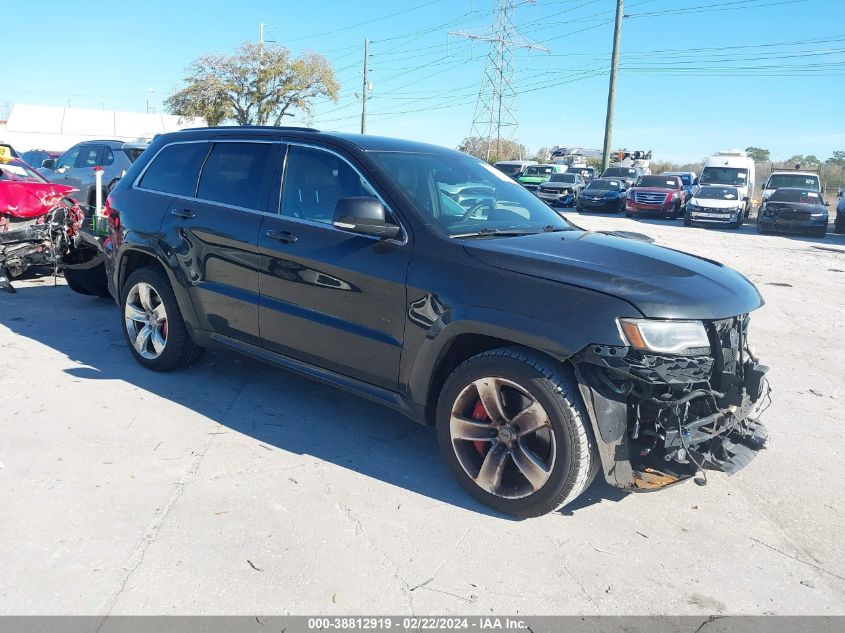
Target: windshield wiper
[551, 228]
[494, 233]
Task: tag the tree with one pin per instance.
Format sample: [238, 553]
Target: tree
[758, 154]
[837, 158]
[795, 160]
[256, 85]
[811, 159]
[501, 149]
[542, 155]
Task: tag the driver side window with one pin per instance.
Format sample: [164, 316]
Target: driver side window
[315, 180]
[68, 159]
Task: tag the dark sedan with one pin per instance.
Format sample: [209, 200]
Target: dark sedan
[562, 189]
[793, 210]
[602, 194]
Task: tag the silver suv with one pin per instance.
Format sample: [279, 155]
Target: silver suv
[76, 167]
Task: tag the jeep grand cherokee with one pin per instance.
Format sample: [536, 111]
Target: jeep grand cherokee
[541, 352]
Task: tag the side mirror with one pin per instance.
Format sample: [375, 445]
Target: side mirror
[49, 163]
[841, 192]
[365, 215]
[826, 203]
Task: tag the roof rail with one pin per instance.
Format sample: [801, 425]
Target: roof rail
[251, 127]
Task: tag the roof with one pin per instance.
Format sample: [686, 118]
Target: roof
[362, 142]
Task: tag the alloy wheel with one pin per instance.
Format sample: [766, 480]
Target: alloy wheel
[145, 319]
[502, 437]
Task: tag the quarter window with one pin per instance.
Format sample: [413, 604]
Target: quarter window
[175, 169]
[234, 173]
[314, 182]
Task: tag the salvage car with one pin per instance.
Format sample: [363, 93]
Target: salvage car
[839, 223]
[628, 174]
[794, 210]
[715, 205]
[656, 195]
[602, 194]
[38, 221]
[535, 175]
[331, 255]
[689, 180]
[561, 189]
[75, 168]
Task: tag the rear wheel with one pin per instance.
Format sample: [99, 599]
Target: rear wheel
[820, 232]
[839, 225]
[514, 432]
[760, 228]
[152, 324]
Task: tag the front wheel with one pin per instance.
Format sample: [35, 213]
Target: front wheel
[514, 432]
[152, 324]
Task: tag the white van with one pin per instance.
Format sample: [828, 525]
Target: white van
[733, 168]
[513, 168]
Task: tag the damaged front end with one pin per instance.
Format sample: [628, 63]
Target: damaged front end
[660, 418]
[39, 225]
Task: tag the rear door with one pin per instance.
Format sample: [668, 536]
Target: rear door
[332, 298]
[214, 234]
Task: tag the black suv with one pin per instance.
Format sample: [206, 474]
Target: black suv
[541, 352]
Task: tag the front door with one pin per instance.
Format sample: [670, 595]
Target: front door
[329, 297]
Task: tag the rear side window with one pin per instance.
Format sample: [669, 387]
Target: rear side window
[175, 169]
[108, 157]
[88, 156]
[234, 173]
[132, 153]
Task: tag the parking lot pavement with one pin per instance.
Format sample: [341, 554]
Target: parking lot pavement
[237, 488]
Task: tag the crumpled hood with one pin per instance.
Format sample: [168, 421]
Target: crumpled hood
[21, 199]
[659, 282]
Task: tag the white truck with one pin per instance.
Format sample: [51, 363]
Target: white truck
[805, 178]
[733, 168]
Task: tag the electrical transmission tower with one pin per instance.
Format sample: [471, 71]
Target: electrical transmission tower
[495, 115]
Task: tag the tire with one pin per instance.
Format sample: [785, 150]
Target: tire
[820, 232]
[839, 227]
[563, 442]
[169, 345]
[88, 281]
[738, 224]
[687, 220]
[579, 209]
[760, 228]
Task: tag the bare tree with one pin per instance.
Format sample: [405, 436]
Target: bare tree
[498, 149]
[256, 85]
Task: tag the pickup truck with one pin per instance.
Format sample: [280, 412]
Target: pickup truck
[658, 195]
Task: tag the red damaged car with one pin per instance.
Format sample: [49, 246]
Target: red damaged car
[39, 223]
[656, 195]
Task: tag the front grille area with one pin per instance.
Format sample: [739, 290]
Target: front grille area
[649, 197]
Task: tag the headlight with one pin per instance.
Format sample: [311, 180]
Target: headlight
[666, 337]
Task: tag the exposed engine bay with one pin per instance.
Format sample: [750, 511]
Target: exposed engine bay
[39, 224]
[662, 418]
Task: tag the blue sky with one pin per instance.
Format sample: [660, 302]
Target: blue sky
[696, 75]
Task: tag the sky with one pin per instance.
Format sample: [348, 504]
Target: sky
[696, 76]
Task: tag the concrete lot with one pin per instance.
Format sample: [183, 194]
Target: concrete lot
[237, 488]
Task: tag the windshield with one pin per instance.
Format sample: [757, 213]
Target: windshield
[569, 178]
[510, 169]
[717, 193]
[463, 195]
[18, 171]
[686, 179]
[604, 185]
[620, 171]
[538, 170]
[34, 158]
[793, 180]
[664, 182]
[724, 176]
[801, 196]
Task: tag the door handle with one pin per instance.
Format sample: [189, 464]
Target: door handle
[183, 213]
[282, 236]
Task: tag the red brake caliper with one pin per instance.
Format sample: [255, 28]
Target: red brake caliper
[480, 413]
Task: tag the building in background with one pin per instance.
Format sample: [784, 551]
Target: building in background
[57, 128]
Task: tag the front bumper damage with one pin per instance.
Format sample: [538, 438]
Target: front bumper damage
[37, 241]
[661, 419]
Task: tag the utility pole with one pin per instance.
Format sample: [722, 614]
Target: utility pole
[261, 33]
[611, 92]
[495, 115]
[366, 87]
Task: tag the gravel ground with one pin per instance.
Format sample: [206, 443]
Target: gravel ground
[236, 488]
